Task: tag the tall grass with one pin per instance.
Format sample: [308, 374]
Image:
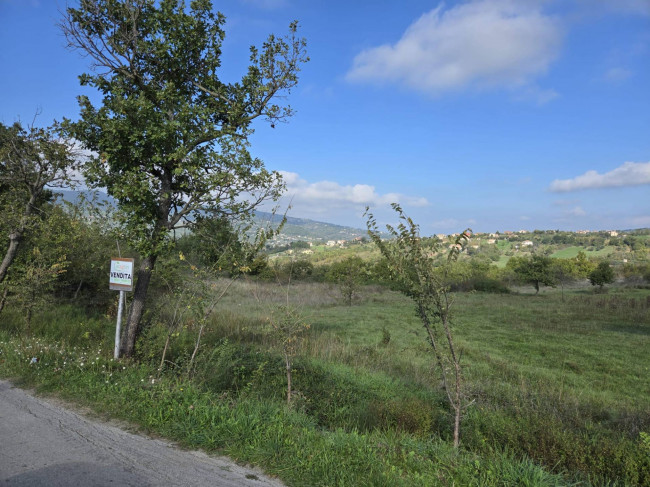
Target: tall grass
[558, 382]
[558, 379]
[230, 418]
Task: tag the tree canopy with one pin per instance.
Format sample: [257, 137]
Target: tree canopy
[170, 137]
[31, 160]
[535, 270]
[601, 275]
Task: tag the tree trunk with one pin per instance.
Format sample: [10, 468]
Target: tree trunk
[457, 427]
[457, 399]
[137, 305]
[4, 298]
[287, 361]
[28, 317]
[76, 293]
[17, 235]
[197, 344]
[14, 242]
[164, 353]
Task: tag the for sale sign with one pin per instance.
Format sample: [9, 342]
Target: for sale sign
[121, 277]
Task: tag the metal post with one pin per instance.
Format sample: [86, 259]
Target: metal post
[118, 327]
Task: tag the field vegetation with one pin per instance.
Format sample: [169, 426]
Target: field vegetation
[557, 380]
[515, 358]
[317, 367]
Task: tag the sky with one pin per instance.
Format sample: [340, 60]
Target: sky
[490, 114]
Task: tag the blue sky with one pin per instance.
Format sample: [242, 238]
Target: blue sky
[489, 114]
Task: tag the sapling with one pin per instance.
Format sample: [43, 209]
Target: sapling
[416, 263]
[287, 325]
[207, 292]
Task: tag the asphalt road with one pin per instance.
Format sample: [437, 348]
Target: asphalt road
[45, 444]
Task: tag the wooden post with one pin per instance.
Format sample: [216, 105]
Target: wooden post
[118, 327]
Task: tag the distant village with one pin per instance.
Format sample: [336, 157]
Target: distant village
[303, 244]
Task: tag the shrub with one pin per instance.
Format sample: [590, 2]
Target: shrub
[601, 275]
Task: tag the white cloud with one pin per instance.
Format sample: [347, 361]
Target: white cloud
[447, 223]
[629, 174]
[577, 211]
[486, 43]
[334, 195]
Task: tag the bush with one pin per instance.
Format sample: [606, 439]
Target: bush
[348, 275]
[409, 414]
[601, 275]
[601, 456]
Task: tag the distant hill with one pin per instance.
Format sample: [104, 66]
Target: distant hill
[297, 228]
[308, 230]
[294, 229]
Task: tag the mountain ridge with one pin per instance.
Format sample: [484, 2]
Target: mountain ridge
[295, 228]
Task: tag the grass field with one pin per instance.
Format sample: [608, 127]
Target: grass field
[570, 252]
[503, 261]
[560, 386]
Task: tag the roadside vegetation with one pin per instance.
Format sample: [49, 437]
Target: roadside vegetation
[320, 370]
[395, 360]
[556, 379]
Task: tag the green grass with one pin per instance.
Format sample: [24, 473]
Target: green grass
[503, 261]
[503, 245]
[286, 442]
[570, 252]
[560, 386]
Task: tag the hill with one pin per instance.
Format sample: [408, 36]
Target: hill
[553, 242]
[296, 229]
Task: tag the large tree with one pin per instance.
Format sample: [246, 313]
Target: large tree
[171, 137]
[535, 270]
[31, 160]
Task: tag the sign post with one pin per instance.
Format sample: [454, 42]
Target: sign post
[121, 279]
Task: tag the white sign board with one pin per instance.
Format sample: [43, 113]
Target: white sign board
[121, 277]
